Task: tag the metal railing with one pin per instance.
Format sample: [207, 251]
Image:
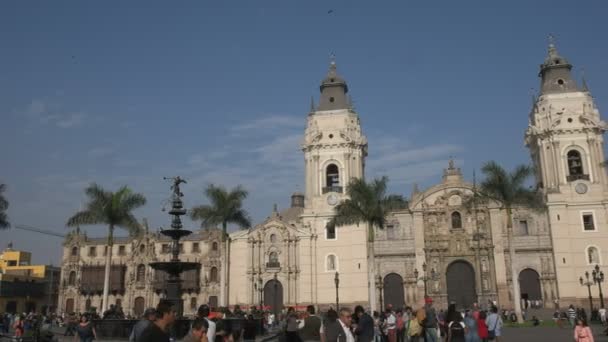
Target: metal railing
[572, 178]
[335, 188]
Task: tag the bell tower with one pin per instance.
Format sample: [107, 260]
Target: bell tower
[334, 153]
[565, 138]
[334, 146]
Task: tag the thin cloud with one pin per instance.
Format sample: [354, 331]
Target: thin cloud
[101, 151]
[45, 113]
[270, 122]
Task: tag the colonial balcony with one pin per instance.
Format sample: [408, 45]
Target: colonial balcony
[273, 264]
[572, 178]
[335, 188]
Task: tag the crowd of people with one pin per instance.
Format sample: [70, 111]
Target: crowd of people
[424, 324]
[401, 325]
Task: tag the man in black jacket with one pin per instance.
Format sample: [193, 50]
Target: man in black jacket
[365, 325]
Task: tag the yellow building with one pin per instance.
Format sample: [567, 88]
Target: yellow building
[25, 287]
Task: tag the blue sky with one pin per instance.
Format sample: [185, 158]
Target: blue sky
[128, 92]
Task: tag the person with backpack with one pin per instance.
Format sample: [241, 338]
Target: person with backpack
[456, 329]
[415, 330]
[494, 323]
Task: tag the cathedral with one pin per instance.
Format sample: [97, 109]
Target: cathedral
[438, 246]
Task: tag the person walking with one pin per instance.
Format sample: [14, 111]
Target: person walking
[582, 332]
[158, 331]
[204, 312]
[365, 326]
[494, 323]
[471, 330]
[482, 328]
[456, 330]
[198, 332]
[572, 315]
[85, 331]
[430, 323]
[391, 325]
[292, 325]
[147, 319]
[311, 331]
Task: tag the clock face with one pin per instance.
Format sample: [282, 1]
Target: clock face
[581, 188]
[332, 199]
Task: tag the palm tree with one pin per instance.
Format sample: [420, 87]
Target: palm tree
[367, 203]
[4, 224]
[510, 191]
[113, 209]
[226, 207]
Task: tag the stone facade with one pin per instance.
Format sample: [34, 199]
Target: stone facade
[134, 285]
[440, 244]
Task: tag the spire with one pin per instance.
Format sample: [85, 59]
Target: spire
[583, 80]
[555, 72]
[333, 89]
[415, 190]
[452, 173]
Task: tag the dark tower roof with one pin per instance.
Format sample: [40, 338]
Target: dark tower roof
[555, 73]
[333, 90]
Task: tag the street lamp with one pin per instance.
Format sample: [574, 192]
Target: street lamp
[276, 284]
[425, 278]
[598, 278]
[587, 283]
[261, 289]
[381, 289]
[337, 281]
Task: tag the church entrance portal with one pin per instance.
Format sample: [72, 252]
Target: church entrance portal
[393, 291]
[460, 278]
[273, 295]
[529, 285]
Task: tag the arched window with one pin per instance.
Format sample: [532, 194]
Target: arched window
[273, 257]
[273, 238]
[332, 175]
[142, 248]
[193, 303]
[87, 305]
[214, 246]
[141, 273]
[332, 263]
[213, 274]
[575, 163]
[456, 220]
[74, 251]
[593, 255]
[72, 278]
[330, 232]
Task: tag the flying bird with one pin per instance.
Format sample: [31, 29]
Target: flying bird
[330, 11]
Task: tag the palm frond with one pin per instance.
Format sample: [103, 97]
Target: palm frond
[224, 207]
[520, 174]
[3, 201]
[241, 219]
[86, 217]
[509, 188]
[131, 201]
[130, 224]
[4, 224]
[207, 215]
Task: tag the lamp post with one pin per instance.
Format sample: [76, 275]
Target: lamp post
[587, 283]
[276, 284]
[337, 281]
[598, 278]
[261, 289]
[381, 289]
[425, 278]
